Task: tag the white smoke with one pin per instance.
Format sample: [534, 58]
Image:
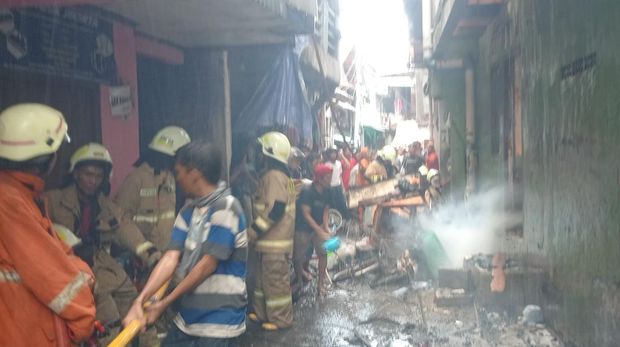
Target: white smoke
[474, 226]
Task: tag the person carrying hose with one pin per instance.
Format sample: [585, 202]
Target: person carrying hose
[45, 290]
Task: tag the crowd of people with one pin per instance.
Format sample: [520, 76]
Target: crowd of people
[70, 257]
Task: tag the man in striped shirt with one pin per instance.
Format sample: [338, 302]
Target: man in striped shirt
[207, 254]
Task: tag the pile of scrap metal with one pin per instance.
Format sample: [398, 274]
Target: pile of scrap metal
[353, 259]
[396, 197]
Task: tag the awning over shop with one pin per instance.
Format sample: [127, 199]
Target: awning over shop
[200, 23]
[312, 70]
[373, 138]
[462, 18]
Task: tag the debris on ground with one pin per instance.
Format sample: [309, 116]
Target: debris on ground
[389, 293]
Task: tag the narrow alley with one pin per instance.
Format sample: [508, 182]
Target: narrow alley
[373, 173]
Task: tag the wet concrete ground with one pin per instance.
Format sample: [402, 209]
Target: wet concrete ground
[353, 314]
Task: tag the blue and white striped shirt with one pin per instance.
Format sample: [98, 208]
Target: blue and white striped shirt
[215, 226]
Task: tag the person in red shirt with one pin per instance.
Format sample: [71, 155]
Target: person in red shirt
[432, 160]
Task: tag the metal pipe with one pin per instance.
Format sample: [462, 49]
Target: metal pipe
[470, 132]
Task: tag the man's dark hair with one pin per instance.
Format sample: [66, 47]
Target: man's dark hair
[202, 156]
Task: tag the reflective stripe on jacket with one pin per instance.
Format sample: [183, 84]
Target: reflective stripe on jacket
[276, 189]
[112, 225]
[150, 201]
[41, 281]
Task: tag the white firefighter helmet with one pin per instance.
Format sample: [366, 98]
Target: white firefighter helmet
[389, 154]
[423, 170]
[275, 145]
[296, 153]
[28, 131]
[90, 152]
[432, 173]
[169, 139]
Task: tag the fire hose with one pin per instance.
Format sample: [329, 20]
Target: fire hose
[133, 328]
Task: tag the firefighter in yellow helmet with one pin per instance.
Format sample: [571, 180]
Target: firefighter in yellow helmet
[36, 267]
[84, 207]
[377, 171]
[433, 195]
[148, 194]
[272, 232]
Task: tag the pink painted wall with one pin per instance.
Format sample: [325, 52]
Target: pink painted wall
[121, 136]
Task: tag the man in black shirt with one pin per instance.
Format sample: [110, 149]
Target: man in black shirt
[311, 223]
[414, 160]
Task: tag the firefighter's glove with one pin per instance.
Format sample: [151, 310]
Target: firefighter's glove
[148, 254]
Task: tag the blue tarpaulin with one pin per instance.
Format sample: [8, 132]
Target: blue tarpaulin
[279, 102]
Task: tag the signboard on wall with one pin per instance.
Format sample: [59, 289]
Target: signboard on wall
[58, 40]
[120, 101]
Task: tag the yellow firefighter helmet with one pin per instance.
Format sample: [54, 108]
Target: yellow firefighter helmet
[423, 170]
[90, 152]
[28, 131]
[389, 154]
[275, 145]
[432, 173]
[169, 139]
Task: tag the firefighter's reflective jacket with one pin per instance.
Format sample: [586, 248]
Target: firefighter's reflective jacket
[110, 224]
[149, 200]
[44, 288]
[274, 213]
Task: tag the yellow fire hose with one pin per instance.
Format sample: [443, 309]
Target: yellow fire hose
[133, 328]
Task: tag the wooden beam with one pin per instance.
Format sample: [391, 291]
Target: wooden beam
[159, 50]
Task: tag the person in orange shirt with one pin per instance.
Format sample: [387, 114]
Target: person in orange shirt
[45, 290]
[363, 163]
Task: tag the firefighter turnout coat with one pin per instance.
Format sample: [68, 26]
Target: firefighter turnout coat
[274, 224]
[149, 199]
[113, 227]
[114, 292]
[44, 288]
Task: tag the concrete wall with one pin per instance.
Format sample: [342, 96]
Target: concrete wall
[571, 171]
